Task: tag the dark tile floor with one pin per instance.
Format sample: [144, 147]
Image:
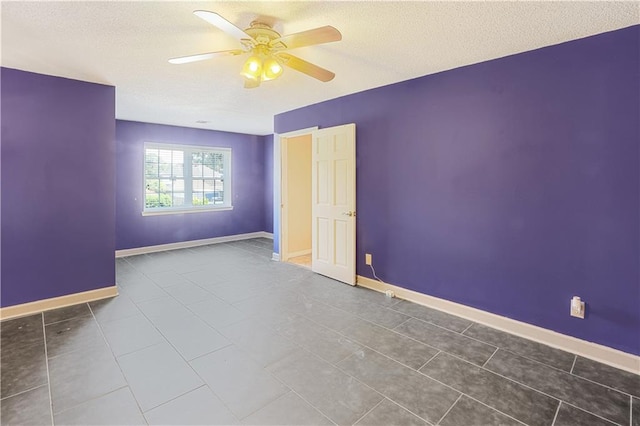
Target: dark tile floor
[223, 335]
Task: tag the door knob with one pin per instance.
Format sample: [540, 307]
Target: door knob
[349, 213]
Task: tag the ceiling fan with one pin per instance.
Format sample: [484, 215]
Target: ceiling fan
[267, 49]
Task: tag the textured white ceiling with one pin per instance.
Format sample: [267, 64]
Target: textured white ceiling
[127, 44]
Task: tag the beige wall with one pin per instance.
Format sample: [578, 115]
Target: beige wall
[299, 193]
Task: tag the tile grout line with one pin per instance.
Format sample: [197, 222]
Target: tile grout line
[115, 359]
[282, 382]
[22, 392]
[46, 359]
[556, 415]
[450, 408]
[429, 360]
[577, 376]
[489, 359]
[465, 330]
[372, 408]
[631, 410]
[575, 358]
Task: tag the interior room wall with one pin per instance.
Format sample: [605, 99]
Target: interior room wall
[58, 186]
[248, 183]
[509, 185]
[299, 194]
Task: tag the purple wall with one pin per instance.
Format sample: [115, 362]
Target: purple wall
[268, 183]
[248, 168]
[58, 181]
[510, 185]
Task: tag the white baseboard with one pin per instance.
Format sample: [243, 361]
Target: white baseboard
[594, 351]
[38, 306]
[298, 253]
[275, 256]
[192, 243]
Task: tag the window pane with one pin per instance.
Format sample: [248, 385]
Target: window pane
[199, 199]
[178, 185]
[151, 200]
[198, 185]
[151, 155]
[178, 198]
[178, 170]
[178, 157]
[151, 169]
[166, 185]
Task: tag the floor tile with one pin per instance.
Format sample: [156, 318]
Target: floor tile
[191, 336]
[198, 407]
[143, 290]
[167, 278]
[527, 348]
[432, 316]
[389, 413]
[115, 408]
[118, 307]
[412, 390]
[374, 313]
[448, 341]
[236, 292]
[56, 315]
[157, 374]
[21, 331]
[163, 308]
[187, 293]
[635, 411]
[22, 367]
[260, 342]
[572, 416]
[321, 341]
[581, 393]
[71, 335]
[337, 395]
[609, 376]
[242, 385]
[469, 412]
[513, 399]
[217, 313]
[333, 318]
[288, 410]
[130, 334]
[28, 408]
[271, 309]
[82, 375]
[401, 348]
[205, 277]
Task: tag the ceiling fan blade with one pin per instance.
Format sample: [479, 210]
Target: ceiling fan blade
[251, 84]
[226, 26]
[309, 38]
[305, 67]
[205, 56]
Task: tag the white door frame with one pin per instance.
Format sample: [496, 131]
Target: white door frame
[280, 152]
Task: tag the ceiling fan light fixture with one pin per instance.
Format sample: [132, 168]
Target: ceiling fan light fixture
[252, 69]
[272, 69]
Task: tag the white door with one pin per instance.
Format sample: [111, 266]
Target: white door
[333, 198]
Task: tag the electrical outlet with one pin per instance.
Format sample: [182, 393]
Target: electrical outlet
[367, 259]
[577, 307]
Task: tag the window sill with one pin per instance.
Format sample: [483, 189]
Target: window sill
[183, 211]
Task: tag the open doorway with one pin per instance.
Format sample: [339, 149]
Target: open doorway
[318, 200]
[296, 199]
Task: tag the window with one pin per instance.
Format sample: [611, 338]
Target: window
[179, 178]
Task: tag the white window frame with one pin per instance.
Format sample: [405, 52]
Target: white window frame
[188, 180]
